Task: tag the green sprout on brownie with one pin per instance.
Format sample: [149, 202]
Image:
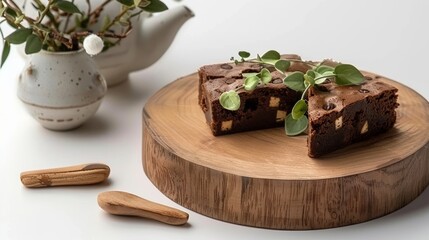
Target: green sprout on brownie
[296, 122]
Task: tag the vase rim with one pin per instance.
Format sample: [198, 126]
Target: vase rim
[62, 52]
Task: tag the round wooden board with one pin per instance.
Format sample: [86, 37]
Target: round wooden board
[265, 179]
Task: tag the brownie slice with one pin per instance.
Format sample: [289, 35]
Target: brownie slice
[341, 115]
[232, 70]
[264, 107]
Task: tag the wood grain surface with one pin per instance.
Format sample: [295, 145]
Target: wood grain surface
[265, 179]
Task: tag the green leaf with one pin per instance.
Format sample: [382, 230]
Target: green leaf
[128, 3]
[294, 127]
[11, 12]
[309, 76]
[230, 100]
[155, 6]
[143, 3]
[295, 81]
[67, 7]
[320, 80]
[19, 36]
[33, 44]
[265, 75]
[299, 109]
[271, 56]
[246, 75]
[251, 83]
[323, 68]
[5, 53]
[322, 77]
[347, 74]
[243, 54]
[282, 65]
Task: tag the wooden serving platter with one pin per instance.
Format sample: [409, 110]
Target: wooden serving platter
[265, 179]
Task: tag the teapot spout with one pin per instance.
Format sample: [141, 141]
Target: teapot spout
[157, 34]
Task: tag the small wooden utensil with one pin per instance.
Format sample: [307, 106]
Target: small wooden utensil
[84, 174]
[123, 203]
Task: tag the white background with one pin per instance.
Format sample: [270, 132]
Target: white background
[387, 37]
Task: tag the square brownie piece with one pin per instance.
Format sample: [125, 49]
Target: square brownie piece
[341, 115]
[264, 107]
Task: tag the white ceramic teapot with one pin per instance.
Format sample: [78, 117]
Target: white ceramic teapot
[150, 38]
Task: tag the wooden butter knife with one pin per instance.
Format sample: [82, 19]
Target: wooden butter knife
[123, 203]
[73, 175]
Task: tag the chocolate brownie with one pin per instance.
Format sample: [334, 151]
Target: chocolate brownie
[341, 115]
[232, 70]
[264, 107]
[338, 115]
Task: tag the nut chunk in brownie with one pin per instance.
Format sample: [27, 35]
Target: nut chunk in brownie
[341, 115]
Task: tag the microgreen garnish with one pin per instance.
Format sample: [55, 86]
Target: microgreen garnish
[297, 121]
[230, 100]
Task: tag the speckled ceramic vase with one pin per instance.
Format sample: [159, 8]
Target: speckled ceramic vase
[61, 90]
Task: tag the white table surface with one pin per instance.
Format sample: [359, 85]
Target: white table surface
[387, 37]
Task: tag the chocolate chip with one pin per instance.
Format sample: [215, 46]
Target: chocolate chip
[329, 106]
[277, 81]
[369, 78]
[230, 80]
[226, 66]
[377, 77]
[363, 90]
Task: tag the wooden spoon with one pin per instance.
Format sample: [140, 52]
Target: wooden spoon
[74, 175]
[123, 203]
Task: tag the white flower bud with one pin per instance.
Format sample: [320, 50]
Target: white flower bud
[93, 44]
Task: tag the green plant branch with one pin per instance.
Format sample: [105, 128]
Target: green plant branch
[66, 24]
[116, 19]
[44, 12]
[11, 20]
[52, 28]
[290, 60]
[304, 93]
[327, 76]
[100, 8]
[13, 6]
[88, 3]
[92, 16]
[136, 14]
[52, 19]
[104, 34]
